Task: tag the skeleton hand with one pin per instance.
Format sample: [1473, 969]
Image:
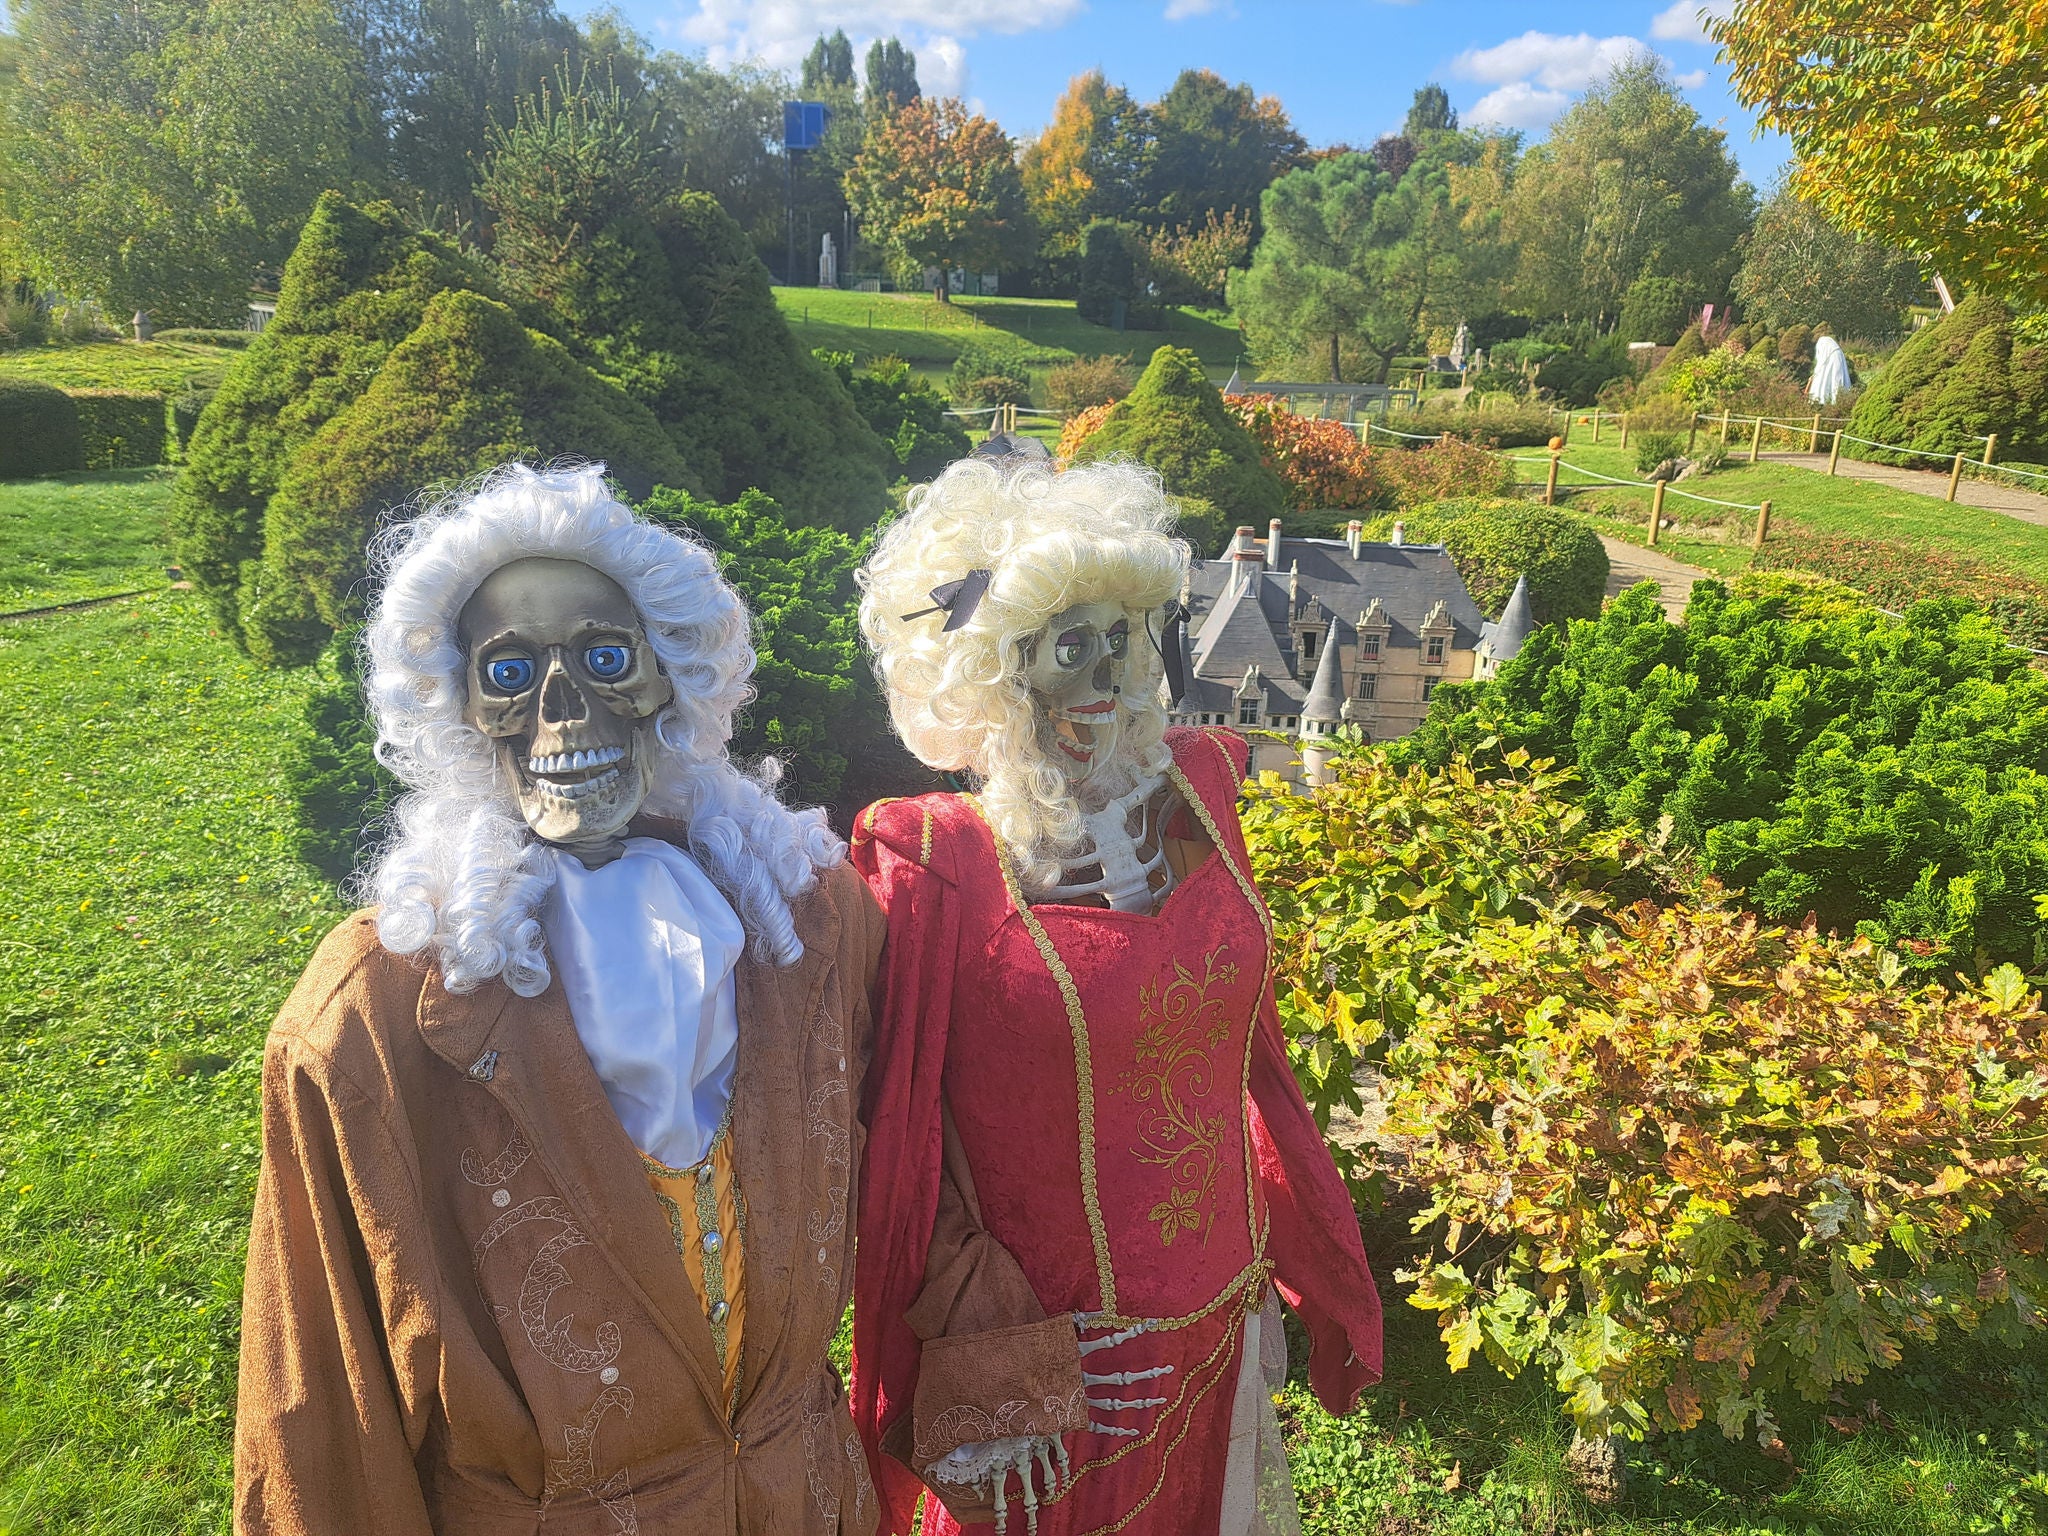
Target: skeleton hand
[986, 1466]
[1107, 1405]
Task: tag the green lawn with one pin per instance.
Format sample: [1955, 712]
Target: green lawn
[929, 335]
[1800, 499]
[68, 537]
[164, 366]
[152, 918]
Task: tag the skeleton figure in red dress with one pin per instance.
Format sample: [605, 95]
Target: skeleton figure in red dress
[1089, 1169]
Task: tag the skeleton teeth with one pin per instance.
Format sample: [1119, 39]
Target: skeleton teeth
[582, 788]
[576, 762]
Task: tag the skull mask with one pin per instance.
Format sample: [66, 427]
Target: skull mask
[1075, 669]
[562, 678]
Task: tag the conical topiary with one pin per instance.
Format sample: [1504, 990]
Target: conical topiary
[1175, 420]
[470, 388]
[1953, 382]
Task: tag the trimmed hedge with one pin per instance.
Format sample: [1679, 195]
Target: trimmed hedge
[1954, 381]
[39, 432]
[1175, 420]
[121, 428]
[195, 336]
[1493, 541]
[1896, 576]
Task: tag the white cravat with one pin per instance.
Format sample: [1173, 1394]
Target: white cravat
[645, 948]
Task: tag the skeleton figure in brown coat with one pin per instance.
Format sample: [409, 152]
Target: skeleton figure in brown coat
[554, 1225]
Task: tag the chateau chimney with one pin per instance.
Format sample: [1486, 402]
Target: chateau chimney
[1244, 560]
[1400, 532]
[1354, 535]
[1273, 545]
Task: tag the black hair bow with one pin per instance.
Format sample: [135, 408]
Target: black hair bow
[957, 600]
[1172, 650]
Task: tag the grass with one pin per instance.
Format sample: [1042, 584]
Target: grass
[65, 538]
[929, 335]
[163, 366]
[1801, 499]
[152, 919]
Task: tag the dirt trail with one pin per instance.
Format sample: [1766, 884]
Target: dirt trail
[1628, 564]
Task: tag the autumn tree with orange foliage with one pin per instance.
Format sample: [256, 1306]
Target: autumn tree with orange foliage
[1922, 126]
[1085, 165]
[937, 186]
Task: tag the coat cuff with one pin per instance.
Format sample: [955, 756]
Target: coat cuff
[974, 1387]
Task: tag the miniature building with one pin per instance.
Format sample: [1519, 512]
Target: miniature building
[1502, 639]
[1300, 636]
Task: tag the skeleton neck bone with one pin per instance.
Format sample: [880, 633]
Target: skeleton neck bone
[1116, 867]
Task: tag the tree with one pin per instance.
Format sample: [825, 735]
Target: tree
[1214, 147]
[1799, 268]
[161, 156]
[936, 186]
[1193, 266]
[891, 75]
[1084, 166]
[716, 128]
[829, 64]
[1176, 421]
[1921, 127]
[1353, 263]
[662, 292]
[1431, 112]
[1630, 183]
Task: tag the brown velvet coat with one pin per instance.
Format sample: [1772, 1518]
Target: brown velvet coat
[465, 1313]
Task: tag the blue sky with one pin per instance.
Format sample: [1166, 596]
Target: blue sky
[1345, 68]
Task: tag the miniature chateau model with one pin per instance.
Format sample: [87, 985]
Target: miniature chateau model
[1300, 636]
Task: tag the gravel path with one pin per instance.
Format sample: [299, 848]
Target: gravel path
[2027, 506]
[1628, 564]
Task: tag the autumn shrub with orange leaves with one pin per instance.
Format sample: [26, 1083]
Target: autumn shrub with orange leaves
[1680, 1161]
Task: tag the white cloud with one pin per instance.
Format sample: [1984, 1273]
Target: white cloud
[1518, 104]
[780, 32]
[1691, 80]
[1553, 62]
[1680, 21]
[1181, 10]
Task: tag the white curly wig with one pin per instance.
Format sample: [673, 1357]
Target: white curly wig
[461, 874]
[1050, 539]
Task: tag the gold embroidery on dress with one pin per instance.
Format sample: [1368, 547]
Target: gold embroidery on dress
[1183, 1022]
[577, 1471]
[826, 1119]
[499, 1168]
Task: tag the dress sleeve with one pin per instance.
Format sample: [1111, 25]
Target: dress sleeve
[324, 1440]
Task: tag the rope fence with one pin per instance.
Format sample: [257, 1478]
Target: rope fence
[1658, 489]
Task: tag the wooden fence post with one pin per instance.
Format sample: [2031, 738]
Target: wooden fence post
[1596, 424]
[1763, 526]
[1835, 453]
[1550, 485]
[1756, 439]
[1813, 440]
[1692, 438]
[1990, 443]
[1955, 476]
[1656, 512]
[1624, 429]
[1724, 426]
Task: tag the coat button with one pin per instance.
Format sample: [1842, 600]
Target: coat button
[719, 1310]
[704, 1174]
[713, 1242]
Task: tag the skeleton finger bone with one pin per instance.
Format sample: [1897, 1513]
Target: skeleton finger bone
[1045, 1466]
[1112, 1429]
[1121, 1404]
[1123, 1378]
[1002, 1503]
[1090, 1346]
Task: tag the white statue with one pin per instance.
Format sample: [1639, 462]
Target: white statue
[828, 264]
[1459, 346]
[1830, 372]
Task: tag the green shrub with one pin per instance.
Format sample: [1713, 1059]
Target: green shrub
[1109, 271]
[1885, 775]
[1204, 526]
[903, 410]
[196, 336]
[1711, 380]
[1955, 380]
[1527, 425]
[1175, 420]
[1577, 377]
[469, 389]
[1897, 576]
[990, 372]
[1493, 542]
[338, 789]
[39, 432]
[24, 318]
[1653, 309]
[1446, 470]
[1654, 448]
[1085, 381]
[122, 428]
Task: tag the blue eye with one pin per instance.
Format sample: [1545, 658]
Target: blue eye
[510, 675]
[606, 660]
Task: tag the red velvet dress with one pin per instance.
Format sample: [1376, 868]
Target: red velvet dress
[1140, 1149]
